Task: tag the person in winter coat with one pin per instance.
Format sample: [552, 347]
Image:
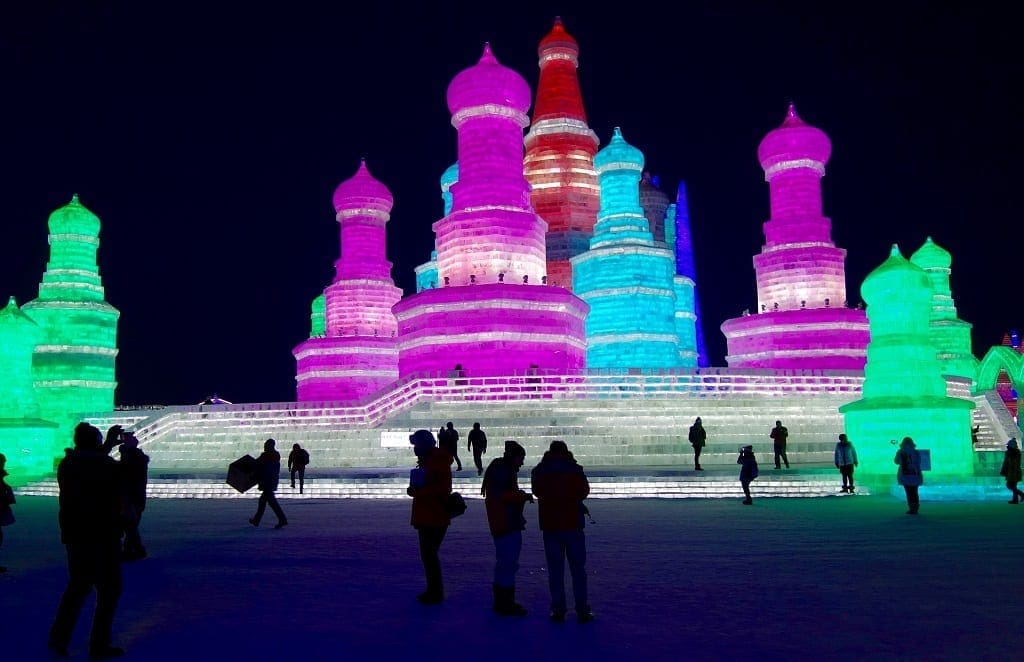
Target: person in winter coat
[1011, 471]
[560, 486]
[297, 461]
[909, 473]
[505, 502]
[429, 485]
[6, 501]
[448, 439]
[268, 473]
[748, 472]
[134, 466]
[477, 443]
[90, 517]
[779, 435]
[698, 439]
[845, 457]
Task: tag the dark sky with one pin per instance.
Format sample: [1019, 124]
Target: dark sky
[209, 138]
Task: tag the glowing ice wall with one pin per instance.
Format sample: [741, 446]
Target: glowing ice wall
[950, 335]
[358, 353]
[559, 162]
[625, 277]
[681, 242]
[492, 313]
[904, 392]
[655, 205]
[73, 363]
[426, 273]
[685, 292]
[801, 320]
[26, 440]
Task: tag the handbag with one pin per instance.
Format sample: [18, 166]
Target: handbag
[454, 504]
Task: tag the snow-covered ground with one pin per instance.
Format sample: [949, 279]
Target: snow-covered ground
[786, 579]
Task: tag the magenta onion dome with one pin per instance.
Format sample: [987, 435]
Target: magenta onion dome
[794, 141]
[931, 255]
[488, 83]
[362, 191]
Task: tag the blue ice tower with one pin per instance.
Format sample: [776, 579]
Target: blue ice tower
[687, 301]
[426, 273]
[625, 277]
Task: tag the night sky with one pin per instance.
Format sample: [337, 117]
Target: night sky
[209, 138]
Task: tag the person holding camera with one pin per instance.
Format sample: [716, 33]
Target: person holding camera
[505, 502]
[748, 472]
[134, 466]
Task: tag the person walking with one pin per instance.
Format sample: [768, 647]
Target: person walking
[477, 443]
[845, 458]
[505, 502]
[89, 506]
[6, 501]
[429, 485]
[297, 461]
[268, 473]
[134, 466]
[698, 439]
[909, 473]
[779, 435]
[748, 472]
[560, 486]
[448, 439]
[1011, 470]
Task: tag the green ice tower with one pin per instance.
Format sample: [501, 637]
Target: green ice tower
[73, 363]
[950, 335]
[904, 392]
[26, 440]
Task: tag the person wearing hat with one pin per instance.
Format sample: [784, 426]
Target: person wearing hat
[560, 486]
[748, 472]
[134, 466]
[1011, 471]
[268, 474]
[89, 514]
[505, 502]
[430, 483]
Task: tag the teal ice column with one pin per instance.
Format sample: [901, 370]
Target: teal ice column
[26, 440]
[426, 273]
[73, 364]
[685, 300]
[950, 335]
[904, 391]
[625, 277]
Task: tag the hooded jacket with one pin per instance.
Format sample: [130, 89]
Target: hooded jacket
[1011, 465]
[89, 505]
[909, 461]
[503, 498]
[560, 486]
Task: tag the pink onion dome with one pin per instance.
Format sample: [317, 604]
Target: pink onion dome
[488, 83]
[362, 191]
[558, 40]
[794, 144]
[931, 255]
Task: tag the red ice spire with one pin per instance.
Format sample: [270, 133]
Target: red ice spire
[558, 90]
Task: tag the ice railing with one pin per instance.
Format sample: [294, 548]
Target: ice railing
[592, 385]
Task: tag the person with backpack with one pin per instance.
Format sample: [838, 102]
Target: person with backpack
[297, 461]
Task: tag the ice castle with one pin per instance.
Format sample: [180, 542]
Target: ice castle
[560, 300]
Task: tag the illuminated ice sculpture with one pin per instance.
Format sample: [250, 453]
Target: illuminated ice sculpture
[26, 440]
[559, 162]
[426, 273]
[802, 320]
[492, 313]
[679, 238]
[73, 363]
[625, 277]
[904, 391]
[357, 352]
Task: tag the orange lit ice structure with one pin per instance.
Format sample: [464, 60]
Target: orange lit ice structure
[802, 320]
[492, 313]
[559, 162]
[357, 352]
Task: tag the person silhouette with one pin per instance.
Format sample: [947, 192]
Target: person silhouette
[779, 435]
[845, 458]
[6, 501]
[429, 484]
[134, 466]
[909, 473]
[89, 515]
[297, 461]
[698, 439]
[477, 443]
[448, 439]
[268, 472]
[748, 472]
[505, 501]
[1010, 470]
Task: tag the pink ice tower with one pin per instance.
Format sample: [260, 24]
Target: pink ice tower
[358, 353]
[802, 320]
[492, 313]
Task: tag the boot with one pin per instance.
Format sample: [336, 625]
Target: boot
[505, 603]
[584, 615]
